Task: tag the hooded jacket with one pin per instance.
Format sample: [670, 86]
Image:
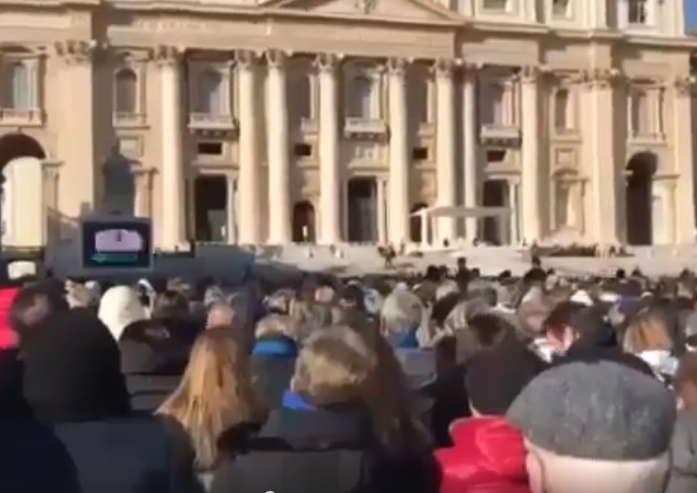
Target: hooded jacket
[488, 456]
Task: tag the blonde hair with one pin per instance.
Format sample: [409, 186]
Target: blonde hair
[648, 331]
[334, 366]
[215, 393]
[278, 325]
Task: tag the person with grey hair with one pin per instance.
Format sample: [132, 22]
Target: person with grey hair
[595, 427]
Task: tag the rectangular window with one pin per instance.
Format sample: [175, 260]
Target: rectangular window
[302, 150]
[419, 153]
[560, 8]
[495, 5]
[210, 148]
[637, 12]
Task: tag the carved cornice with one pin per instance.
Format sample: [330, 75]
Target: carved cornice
[327, 62]
[167, 55]
[531, 74]
[76, 51]
[685, 86]
[603, 77]
[397, 66]
[276, 58]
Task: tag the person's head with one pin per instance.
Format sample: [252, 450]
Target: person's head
[220, 313]
[325, 294]
[72, 370]
[647, 331]
[495, 376]
[334, 366]
[482, 291]
[685, 382]
[215, 393]
[171, 304]
[595, 427]
[33, 304]
[572, 323]
[275, 326]
[119, 307]
[401, 315]
[483, 330]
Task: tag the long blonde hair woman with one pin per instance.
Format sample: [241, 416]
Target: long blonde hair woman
[215, 394]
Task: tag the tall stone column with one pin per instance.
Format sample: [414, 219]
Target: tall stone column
[173, 175]
[143, 182]
[277, 153]
[249, 218]
[470, 150]
[398, 209]
[445, 147]
[684, 92]
[602, 155]
[514, 205]
[231, 206]
[530, 188]
[329, 147]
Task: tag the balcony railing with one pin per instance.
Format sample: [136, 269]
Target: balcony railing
[21, 117]
[208, 121]
[364, 127]
[129, 120]
[499, 134]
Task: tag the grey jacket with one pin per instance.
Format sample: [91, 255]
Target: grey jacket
[683, 476]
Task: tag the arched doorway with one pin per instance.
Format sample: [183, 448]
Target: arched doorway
[119, 194]
[21, 214]
[639, 211]
[362, 210]
[304, 230]
[415, 228]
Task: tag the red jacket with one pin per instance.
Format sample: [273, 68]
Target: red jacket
[488, 457]
[8, 338]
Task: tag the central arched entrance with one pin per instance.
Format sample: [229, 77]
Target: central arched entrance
[304, 230]
[22, 212]
[639, 212]
[362, 210]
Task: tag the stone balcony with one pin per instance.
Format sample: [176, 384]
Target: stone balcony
[495, 134]
[15, 117]
[129, 120]
[206, 123]
[365, 128]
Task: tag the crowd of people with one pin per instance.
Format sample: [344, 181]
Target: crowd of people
[446, 382]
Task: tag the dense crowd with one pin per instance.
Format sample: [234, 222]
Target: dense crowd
[447, 382]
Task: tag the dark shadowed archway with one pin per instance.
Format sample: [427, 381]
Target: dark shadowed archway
[304, 230]
[639, 214]
[16, 145]
[415, 222]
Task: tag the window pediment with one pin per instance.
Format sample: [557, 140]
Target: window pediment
[417, 10]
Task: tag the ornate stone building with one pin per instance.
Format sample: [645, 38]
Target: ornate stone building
[250, 121]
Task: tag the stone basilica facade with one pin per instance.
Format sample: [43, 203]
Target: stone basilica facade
[329, 121]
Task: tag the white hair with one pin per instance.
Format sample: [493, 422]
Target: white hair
[119, 307]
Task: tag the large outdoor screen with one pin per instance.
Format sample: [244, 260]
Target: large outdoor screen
[116, 244]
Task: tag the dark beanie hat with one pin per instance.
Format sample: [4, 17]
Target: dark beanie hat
[72, 370]
[598, 411]
[494, 377]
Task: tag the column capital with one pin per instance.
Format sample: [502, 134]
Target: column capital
[685, 85]
[76, 51]
[276, 58]
[397, 66]
[530, 74]
[602, 77]
[327, 62]
[167, 55]
[444, 67]
[246, 58]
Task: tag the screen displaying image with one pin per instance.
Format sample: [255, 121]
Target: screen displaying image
[116, 245]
